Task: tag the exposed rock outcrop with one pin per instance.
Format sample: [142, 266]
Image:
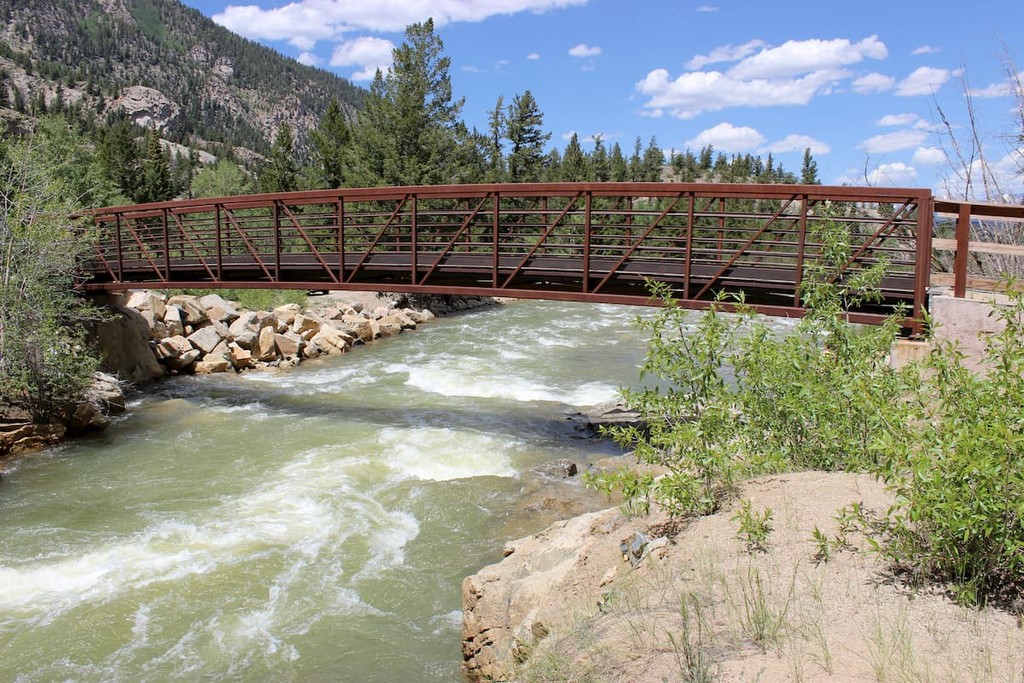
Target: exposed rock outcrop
[146, 107]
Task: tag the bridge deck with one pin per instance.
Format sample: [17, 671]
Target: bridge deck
[588, 242]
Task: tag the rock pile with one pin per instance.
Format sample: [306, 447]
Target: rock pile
[208, 334]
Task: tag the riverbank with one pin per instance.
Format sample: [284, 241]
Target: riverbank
[696, 603]
[150, 335]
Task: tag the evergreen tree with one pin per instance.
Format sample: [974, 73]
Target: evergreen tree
[618, 168]
[332, 147]
[408, 124]
[809, 170]
[574, 162]
[634, 161]
[156, 183]
[120, 158]
[527, 138]
[653, 161]
[707, 157]
[552, 166]
[223, 179]
[600, 168]
[496, 125]
[280, 174]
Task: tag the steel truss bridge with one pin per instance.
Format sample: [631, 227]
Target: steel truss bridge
[594, 242]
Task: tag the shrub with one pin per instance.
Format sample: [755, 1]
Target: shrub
[734, 397]
[955, 460]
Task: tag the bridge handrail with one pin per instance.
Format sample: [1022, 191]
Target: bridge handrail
[962, 245]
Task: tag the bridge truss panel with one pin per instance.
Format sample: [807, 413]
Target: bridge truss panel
[572, 241]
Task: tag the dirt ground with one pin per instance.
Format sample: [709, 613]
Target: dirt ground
[704, 607]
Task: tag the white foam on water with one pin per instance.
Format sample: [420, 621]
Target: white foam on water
[439, 454]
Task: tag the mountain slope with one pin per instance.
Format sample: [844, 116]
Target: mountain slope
[211, 83]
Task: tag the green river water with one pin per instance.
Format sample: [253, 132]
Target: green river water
[308, 526]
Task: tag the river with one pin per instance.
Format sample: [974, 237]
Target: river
[308, 526]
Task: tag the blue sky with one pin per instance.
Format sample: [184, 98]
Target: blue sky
[860, 83]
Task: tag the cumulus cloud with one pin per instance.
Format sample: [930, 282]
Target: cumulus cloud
[309, 59]
[707, 8]
[533, 56]
[928, 156]
[798, 143]
[873, 83]
[366, 52]
[584, 50]
[924, 50]
[796, 57]
[924, 80]
[1003, 89]
[898, 120]
[763, 76]
[893, 142]
[726, 137]
[702, 91]
[313, 20]
[894, 175]
[726, 53]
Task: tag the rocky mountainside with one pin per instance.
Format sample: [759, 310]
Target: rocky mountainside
[161, 63]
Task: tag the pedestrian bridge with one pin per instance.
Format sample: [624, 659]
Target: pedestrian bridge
[596, 242]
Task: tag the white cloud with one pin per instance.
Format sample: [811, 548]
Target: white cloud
[584, 50]
[726, 53]
[726, 137]
[898, 120]
[894, 175]
[995, 90]
[924, 80]
[702, 91]
[873, 83]
[568, 135]
[369, 53]
[790, 74]
[313, 20]
[928, 156]
[470, 69]
[892, 142]
[803, 56]
[925, 50]
[798, 143]
[707, 8]
[533, 56]
[309, 59]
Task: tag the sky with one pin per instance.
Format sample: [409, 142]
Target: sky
[860, 83]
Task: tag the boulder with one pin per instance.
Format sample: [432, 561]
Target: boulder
[247, 339]
[360, 326]
[400, 319]
[159, 330]
[389, 327]
[507, 607]
[123, 343]
[221, 349]
[265, 319]
[222, 314]
[183, 361]
[266, 348]
[289, 343]
[191, 309]
[240, 358]
[332, 340]
[172, 347]
[213, 363]
[148, 301]
[205, 339]
[312, 351]
[174, 319]
[208, 301]
[106, 391]
[303, 324]
[287, 313]
[244, 323]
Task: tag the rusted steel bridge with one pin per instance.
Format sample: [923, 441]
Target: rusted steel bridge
[596, 242]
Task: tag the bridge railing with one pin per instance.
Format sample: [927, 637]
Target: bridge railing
[987, 244]
[584, 241]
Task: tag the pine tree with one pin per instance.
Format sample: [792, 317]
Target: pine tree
[809, 170]
[332, 147]
[618, 168]
[574, 162]
[280, 174]
[653, 161]
[527, 138]
[600, 169]
[120, 158]
[496, 125]
[156, 183]
[409, 121]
